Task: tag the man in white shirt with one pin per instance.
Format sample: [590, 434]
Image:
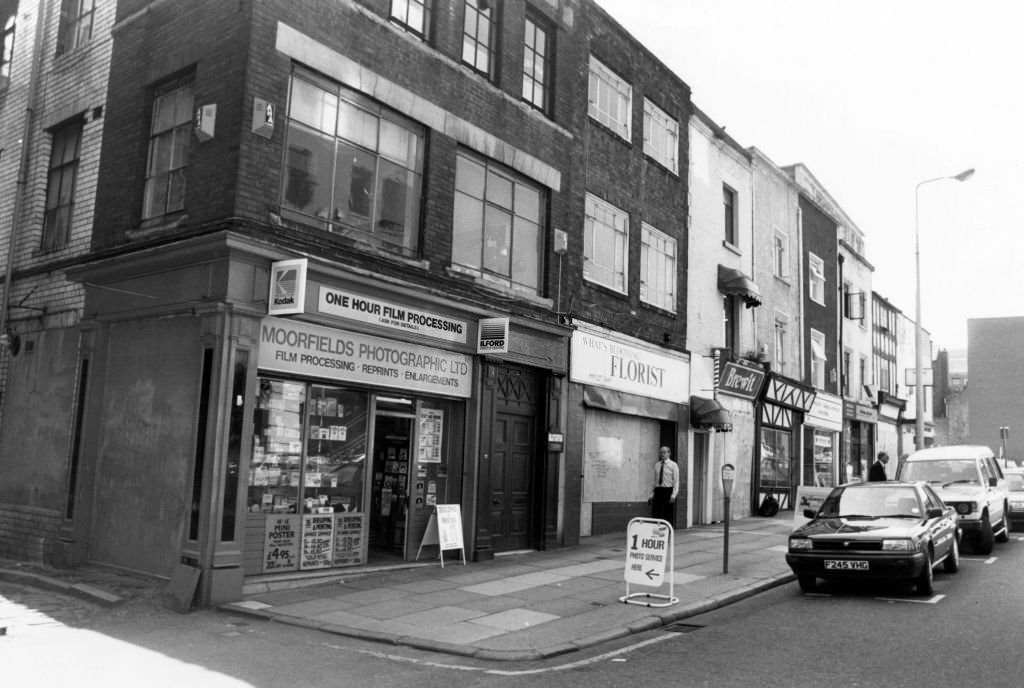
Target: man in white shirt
[666, 486]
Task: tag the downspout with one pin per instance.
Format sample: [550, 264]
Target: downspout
[22, 178]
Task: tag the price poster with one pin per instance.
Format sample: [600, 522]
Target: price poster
[348, 539]
[431, 429]
[281, 546]
[317, 541]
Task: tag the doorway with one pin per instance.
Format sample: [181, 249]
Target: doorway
[392, 468]
[701, 513]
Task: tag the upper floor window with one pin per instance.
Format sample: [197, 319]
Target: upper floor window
[8, 16]
[609, 99]
[819, 359]
[780, 257]
[729, 214]
[780, 348]
[537, 55]
[657, 268]
[605, 244]
[479, 35]
[60, 185]
[353, 165]
[816, 278]
[169, 141]
[848, 381]
[661, 136]
[730, 323]
[411, 14]
[498, 228]
[75, 24]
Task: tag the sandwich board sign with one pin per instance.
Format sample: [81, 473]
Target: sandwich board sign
[650, 554]
[444, 529]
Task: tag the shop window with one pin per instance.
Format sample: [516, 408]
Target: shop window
[819, 471]
[352, 167]
[776, 457]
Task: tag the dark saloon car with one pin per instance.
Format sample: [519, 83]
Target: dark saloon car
[876, 531]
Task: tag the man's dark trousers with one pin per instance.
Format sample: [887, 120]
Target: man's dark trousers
[661, 505]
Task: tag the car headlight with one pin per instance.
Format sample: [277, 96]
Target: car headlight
[898, 545]
[799, 543]
[964, 508]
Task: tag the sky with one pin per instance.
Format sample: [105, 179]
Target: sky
[874, 97]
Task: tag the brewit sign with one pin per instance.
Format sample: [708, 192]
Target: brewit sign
[740, 381]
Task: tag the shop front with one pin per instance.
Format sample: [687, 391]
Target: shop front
[738, 388]
[627, 398]
[859, 423]
[890, 420]
[822, 426]
[781, 413]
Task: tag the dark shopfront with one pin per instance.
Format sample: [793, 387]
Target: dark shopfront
[780, 418]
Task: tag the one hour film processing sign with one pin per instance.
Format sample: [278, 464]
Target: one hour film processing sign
[647, 549]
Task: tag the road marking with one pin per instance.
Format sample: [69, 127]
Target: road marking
[990, 560]
[934, 599]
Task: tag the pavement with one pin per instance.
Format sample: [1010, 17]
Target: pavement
[525, 606]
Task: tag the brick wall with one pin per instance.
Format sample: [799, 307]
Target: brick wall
[30, 534]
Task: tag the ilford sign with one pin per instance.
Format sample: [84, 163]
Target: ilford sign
[740, 381]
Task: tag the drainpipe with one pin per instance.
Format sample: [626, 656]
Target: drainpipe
[22, 178]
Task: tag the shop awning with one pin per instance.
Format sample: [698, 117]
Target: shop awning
[732, 282]
[708, 413]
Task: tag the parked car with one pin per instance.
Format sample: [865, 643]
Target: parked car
[888, 530]
[1015, 487]
[968, 478]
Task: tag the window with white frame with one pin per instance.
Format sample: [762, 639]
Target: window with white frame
[412, 15]
[75, 24]
[352, 166]
[657, 268]
[780, 339]
[170, 137]
[605, 244]
[816, 278]
[819, 359]
[610, 99]
[729, 214]
[479, 35]
[661, 136]
[780, 258]
[537, 55]
[60, 186]
[498, 225]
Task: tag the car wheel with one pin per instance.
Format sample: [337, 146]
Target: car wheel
[952, 561]
[984, 538]
[807, 583]
[1004, 533]
[924, 581]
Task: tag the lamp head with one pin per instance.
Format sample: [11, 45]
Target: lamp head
[964, 176]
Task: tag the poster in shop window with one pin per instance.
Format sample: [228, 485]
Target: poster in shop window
[317, 541]
[348, 539]
[281, 544]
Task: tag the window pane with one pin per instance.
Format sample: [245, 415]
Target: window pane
[528, 203]
[357, 125]
[354, 186]
[467, 231]
[310, 161]
[180, 139]
[469, 176]
[155, 196]
[176, 191]
[526, 253]
[499, 189]
[313, 106]
[160, 153]
[398, 205]
[399, 144]
[497, 238]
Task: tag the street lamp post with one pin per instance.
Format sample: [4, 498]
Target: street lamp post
[918, 352]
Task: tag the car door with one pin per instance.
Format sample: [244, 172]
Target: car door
[943, 529]
[998, 493]
[995, 504]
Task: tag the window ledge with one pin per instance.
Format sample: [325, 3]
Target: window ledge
[732, 247]
[494, 284]
[782, 278]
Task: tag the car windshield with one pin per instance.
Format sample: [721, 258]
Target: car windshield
[874, 501]
[945, 472]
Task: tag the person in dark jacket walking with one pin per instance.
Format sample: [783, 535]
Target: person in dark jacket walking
[877, 470]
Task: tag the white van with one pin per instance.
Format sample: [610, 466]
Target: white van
[967, 478]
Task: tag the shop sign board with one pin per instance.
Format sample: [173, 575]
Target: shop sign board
[615, 364]
[317, 541]
[395, 316]
[740, 381]
[449, 526]
[859, 412]
[647, 551]
[826, 412]
[808, 498]
[281, 543]
[287, 287]
[306, 350]
[349, 536]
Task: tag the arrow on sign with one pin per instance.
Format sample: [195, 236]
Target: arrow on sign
[652, 574]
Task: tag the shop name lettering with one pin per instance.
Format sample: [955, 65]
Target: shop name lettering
[623, 365]
[324, 351]
[392, 315]
[742, 382]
